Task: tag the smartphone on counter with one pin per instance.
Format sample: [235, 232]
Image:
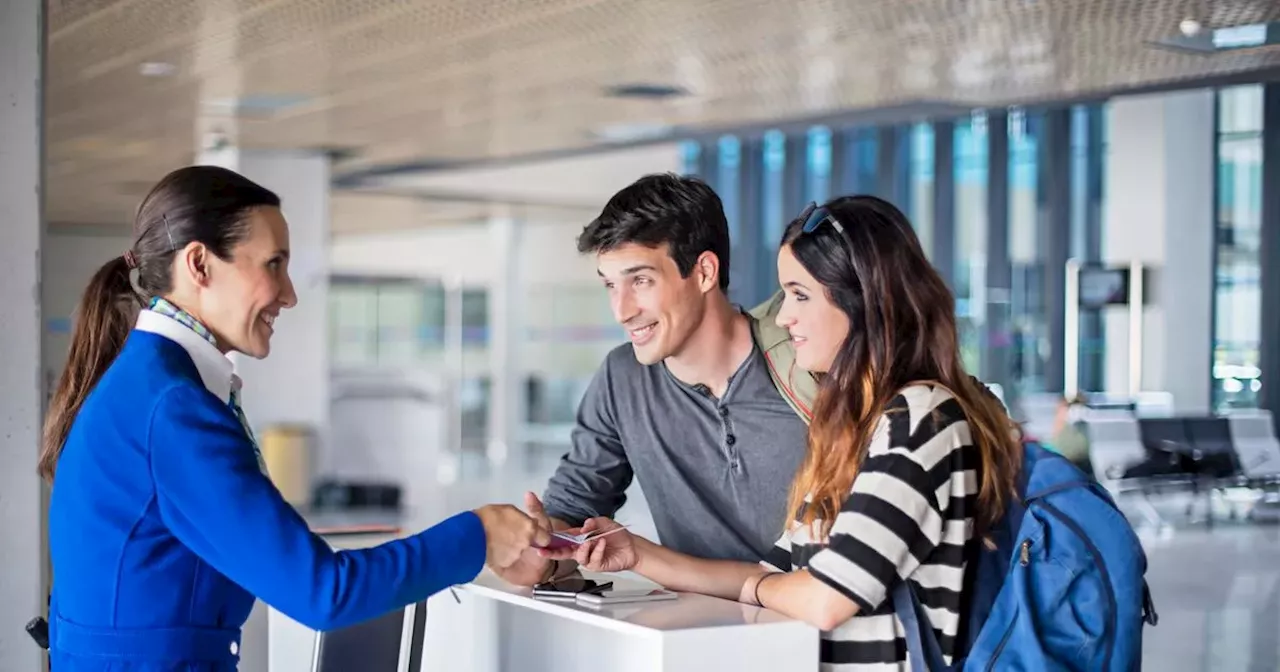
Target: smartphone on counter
[607, 597]
[570, 587]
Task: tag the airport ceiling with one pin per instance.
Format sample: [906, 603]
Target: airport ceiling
[135, 85]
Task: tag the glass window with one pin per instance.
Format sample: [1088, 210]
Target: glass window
[690, 154]
[859, 163]
[920, 201]
[386, 322]
[772, 217]
[353, 319]
[1237, 301]
[1088, 147]
[1029, 327]
[971, 167]
[728, 185]
[1079, 182]
[817, 179]
[399, 310]
[475, 316]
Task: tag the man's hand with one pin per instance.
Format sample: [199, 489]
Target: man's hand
[612, 552]
[530, 568]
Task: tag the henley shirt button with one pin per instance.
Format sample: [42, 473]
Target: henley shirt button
[235, 648]
[730, 439]
[723, 411]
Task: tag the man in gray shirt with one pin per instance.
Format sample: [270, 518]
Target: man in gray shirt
[688, 406]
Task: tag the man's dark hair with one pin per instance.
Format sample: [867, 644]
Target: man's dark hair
[681, 211]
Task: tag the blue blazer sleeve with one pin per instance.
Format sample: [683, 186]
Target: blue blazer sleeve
[213, 497]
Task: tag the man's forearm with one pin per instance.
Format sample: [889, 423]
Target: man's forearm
[676, 571]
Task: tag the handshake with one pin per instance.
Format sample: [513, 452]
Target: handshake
[518, 543]
[510, 532]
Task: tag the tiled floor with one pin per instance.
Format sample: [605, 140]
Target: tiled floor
[1216, 594]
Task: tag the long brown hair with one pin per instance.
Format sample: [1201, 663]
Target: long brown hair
[902, 329]
[202, 204]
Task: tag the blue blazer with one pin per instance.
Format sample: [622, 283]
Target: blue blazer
[163, 530]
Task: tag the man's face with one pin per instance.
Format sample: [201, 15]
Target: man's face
[658, 308]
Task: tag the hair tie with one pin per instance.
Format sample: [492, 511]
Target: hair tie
[130, 260]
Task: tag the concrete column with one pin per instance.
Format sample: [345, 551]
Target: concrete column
[22, 581]
[291, 386]
[506, 331]
[1160, 211]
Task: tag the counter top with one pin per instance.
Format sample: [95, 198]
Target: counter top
[689, 611]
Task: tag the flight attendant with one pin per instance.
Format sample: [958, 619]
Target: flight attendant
[163, 526]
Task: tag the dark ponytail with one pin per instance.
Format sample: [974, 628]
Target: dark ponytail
[103, 320]
[197, 204]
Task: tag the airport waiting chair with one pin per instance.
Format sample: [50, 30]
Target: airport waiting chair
[1258, 451]
[390, 643]
[1256, 446]
[1203, 456]
[1137, 458]
[1115, 448]
[1204, 452]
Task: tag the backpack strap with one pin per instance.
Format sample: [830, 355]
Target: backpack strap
[923, 650]
[797, 386]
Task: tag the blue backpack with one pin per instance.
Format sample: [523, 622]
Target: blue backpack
[1063, 589]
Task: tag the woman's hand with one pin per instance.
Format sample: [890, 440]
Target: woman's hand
[509, 532]
[611, 552]
[531, 567]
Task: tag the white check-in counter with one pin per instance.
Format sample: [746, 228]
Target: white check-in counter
[492, 626]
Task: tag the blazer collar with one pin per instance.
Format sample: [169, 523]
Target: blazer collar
[217, 372]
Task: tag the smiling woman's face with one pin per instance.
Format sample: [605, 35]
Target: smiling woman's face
[817, 326]
[246, 293]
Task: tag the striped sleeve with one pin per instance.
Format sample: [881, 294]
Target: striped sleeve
[778, 559]
[892, 520]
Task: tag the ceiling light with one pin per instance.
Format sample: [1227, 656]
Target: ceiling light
[1195, 38]
[157, 69]
[259, 106]
[644, 91]
[1241, 37]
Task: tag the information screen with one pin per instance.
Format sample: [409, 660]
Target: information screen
[1100, 287]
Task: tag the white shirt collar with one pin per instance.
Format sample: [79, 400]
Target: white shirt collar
[217, 371]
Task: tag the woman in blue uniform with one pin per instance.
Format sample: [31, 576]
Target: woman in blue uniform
[163, 527]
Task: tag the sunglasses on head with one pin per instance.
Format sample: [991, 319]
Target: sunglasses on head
[813, 217]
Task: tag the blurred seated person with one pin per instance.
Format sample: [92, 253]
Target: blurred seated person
[1069, 438]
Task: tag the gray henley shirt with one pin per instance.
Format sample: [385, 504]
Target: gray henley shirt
[716, 472]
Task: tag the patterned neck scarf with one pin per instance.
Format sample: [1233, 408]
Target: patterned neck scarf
[184, 318]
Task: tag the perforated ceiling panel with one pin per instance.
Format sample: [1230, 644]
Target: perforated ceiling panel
[409, 80]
